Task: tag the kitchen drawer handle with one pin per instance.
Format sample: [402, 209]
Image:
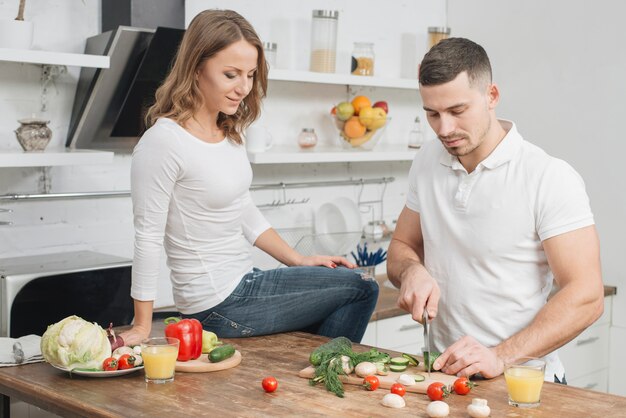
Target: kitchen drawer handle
[587, 341]
[590, 385]
[410, 327]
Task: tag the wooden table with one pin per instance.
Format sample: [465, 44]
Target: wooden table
[237, 391]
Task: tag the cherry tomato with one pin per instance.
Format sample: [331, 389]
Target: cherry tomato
[269, 384]
[437, 391]
[109, 364]
[398, 389]
[462, 386]
[371, 382]
[126, 361]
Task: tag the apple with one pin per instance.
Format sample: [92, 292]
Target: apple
[373, 117]
[345, 111]
[383, 105]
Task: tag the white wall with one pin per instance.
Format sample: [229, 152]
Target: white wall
[560, 66]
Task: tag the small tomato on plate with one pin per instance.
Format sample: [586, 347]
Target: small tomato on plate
[398, 389]
[270, 384]
[126, 361]
[109, 364]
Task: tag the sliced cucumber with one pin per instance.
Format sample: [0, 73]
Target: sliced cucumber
[418, 377]
[412, 360]
[397, 368]
[399, 361]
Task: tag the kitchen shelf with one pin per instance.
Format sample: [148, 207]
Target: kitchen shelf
[343, 79]
[53, 158]
[285, 154]
[54, 58]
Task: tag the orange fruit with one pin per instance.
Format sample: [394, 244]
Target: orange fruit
[353, 128]
[359, 102]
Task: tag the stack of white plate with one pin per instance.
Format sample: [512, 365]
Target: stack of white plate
[338, 227]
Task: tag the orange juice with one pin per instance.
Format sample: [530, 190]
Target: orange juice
[159, 359]
[524, 384]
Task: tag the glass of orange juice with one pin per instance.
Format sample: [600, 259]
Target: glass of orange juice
[524, 379]
[159, 358]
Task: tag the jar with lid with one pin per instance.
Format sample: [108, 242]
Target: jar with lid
[436, 34]
[416, 135]
[269, 49]
[324, 40]
[363, 58]
[307, 138]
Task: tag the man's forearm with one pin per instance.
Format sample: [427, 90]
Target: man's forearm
[402, 262]
[565, 315]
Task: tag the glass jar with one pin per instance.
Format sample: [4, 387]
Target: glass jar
[269, 49]
[307, 138]
[363, 58]
[436, 34]
[324, 40]
[416, 135]
[33, 134]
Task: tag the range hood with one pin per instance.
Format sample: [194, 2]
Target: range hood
[110, 104]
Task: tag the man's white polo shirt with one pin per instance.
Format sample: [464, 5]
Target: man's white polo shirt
[483, 232]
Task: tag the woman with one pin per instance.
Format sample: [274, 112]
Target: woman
[190, 180]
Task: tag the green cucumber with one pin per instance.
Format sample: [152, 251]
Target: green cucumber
[430, 359]
[399, 361]
[397, 368]
[221, 353]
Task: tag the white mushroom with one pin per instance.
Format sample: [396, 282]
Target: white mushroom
[391, 400]
[365, 368]
[406, 380]
[478, 408]
[438, 409]
[122, 350]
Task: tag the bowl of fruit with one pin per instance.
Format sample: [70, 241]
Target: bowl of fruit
[360, 123]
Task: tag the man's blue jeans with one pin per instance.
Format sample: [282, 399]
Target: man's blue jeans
[320, 300]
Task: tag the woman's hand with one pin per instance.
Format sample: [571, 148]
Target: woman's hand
[331, 261]
[134, 336]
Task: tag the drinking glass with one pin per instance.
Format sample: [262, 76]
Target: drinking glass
[524, 379]
[159, 358]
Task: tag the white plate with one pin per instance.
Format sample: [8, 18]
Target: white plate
[99, 373]
[338, 226]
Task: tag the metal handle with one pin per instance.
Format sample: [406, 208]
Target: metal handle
[587, 341]
[5, 223]
[2, 210]
[409, 327]
[590, 385]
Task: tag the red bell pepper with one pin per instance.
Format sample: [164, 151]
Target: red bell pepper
[189, 332]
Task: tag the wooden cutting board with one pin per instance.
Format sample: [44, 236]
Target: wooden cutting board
[392, 377]
[202, 364]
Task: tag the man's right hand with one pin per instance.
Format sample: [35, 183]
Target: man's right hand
[419, 290]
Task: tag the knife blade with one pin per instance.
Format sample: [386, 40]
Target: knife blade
[426, 341]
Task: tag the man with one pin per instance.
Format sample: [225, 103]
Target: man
[490, 222]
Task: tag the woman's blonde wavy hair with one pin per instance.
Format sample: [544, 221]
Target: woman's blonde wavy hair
[179, 97]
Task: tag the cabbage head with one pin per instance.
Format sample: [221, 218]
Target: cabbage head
[75, 343]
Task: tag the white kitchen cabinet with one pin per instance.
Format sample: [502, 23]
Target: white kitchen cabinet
[586, 357]
[59, 156]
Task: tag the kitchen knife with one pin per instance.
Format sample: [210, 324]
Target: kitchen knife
[426, 341]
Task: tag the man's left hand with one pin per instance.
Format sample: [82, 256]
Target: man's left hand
[467, 357]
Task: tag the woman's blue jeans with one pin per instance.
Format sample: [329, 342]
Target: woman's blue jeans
[319, 300]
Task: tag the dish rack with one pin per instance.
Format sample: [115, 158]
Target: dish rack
[307, 242]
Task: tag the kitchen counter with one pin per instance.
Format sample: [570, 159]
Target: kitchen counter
[237, 391]
[387, 299]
